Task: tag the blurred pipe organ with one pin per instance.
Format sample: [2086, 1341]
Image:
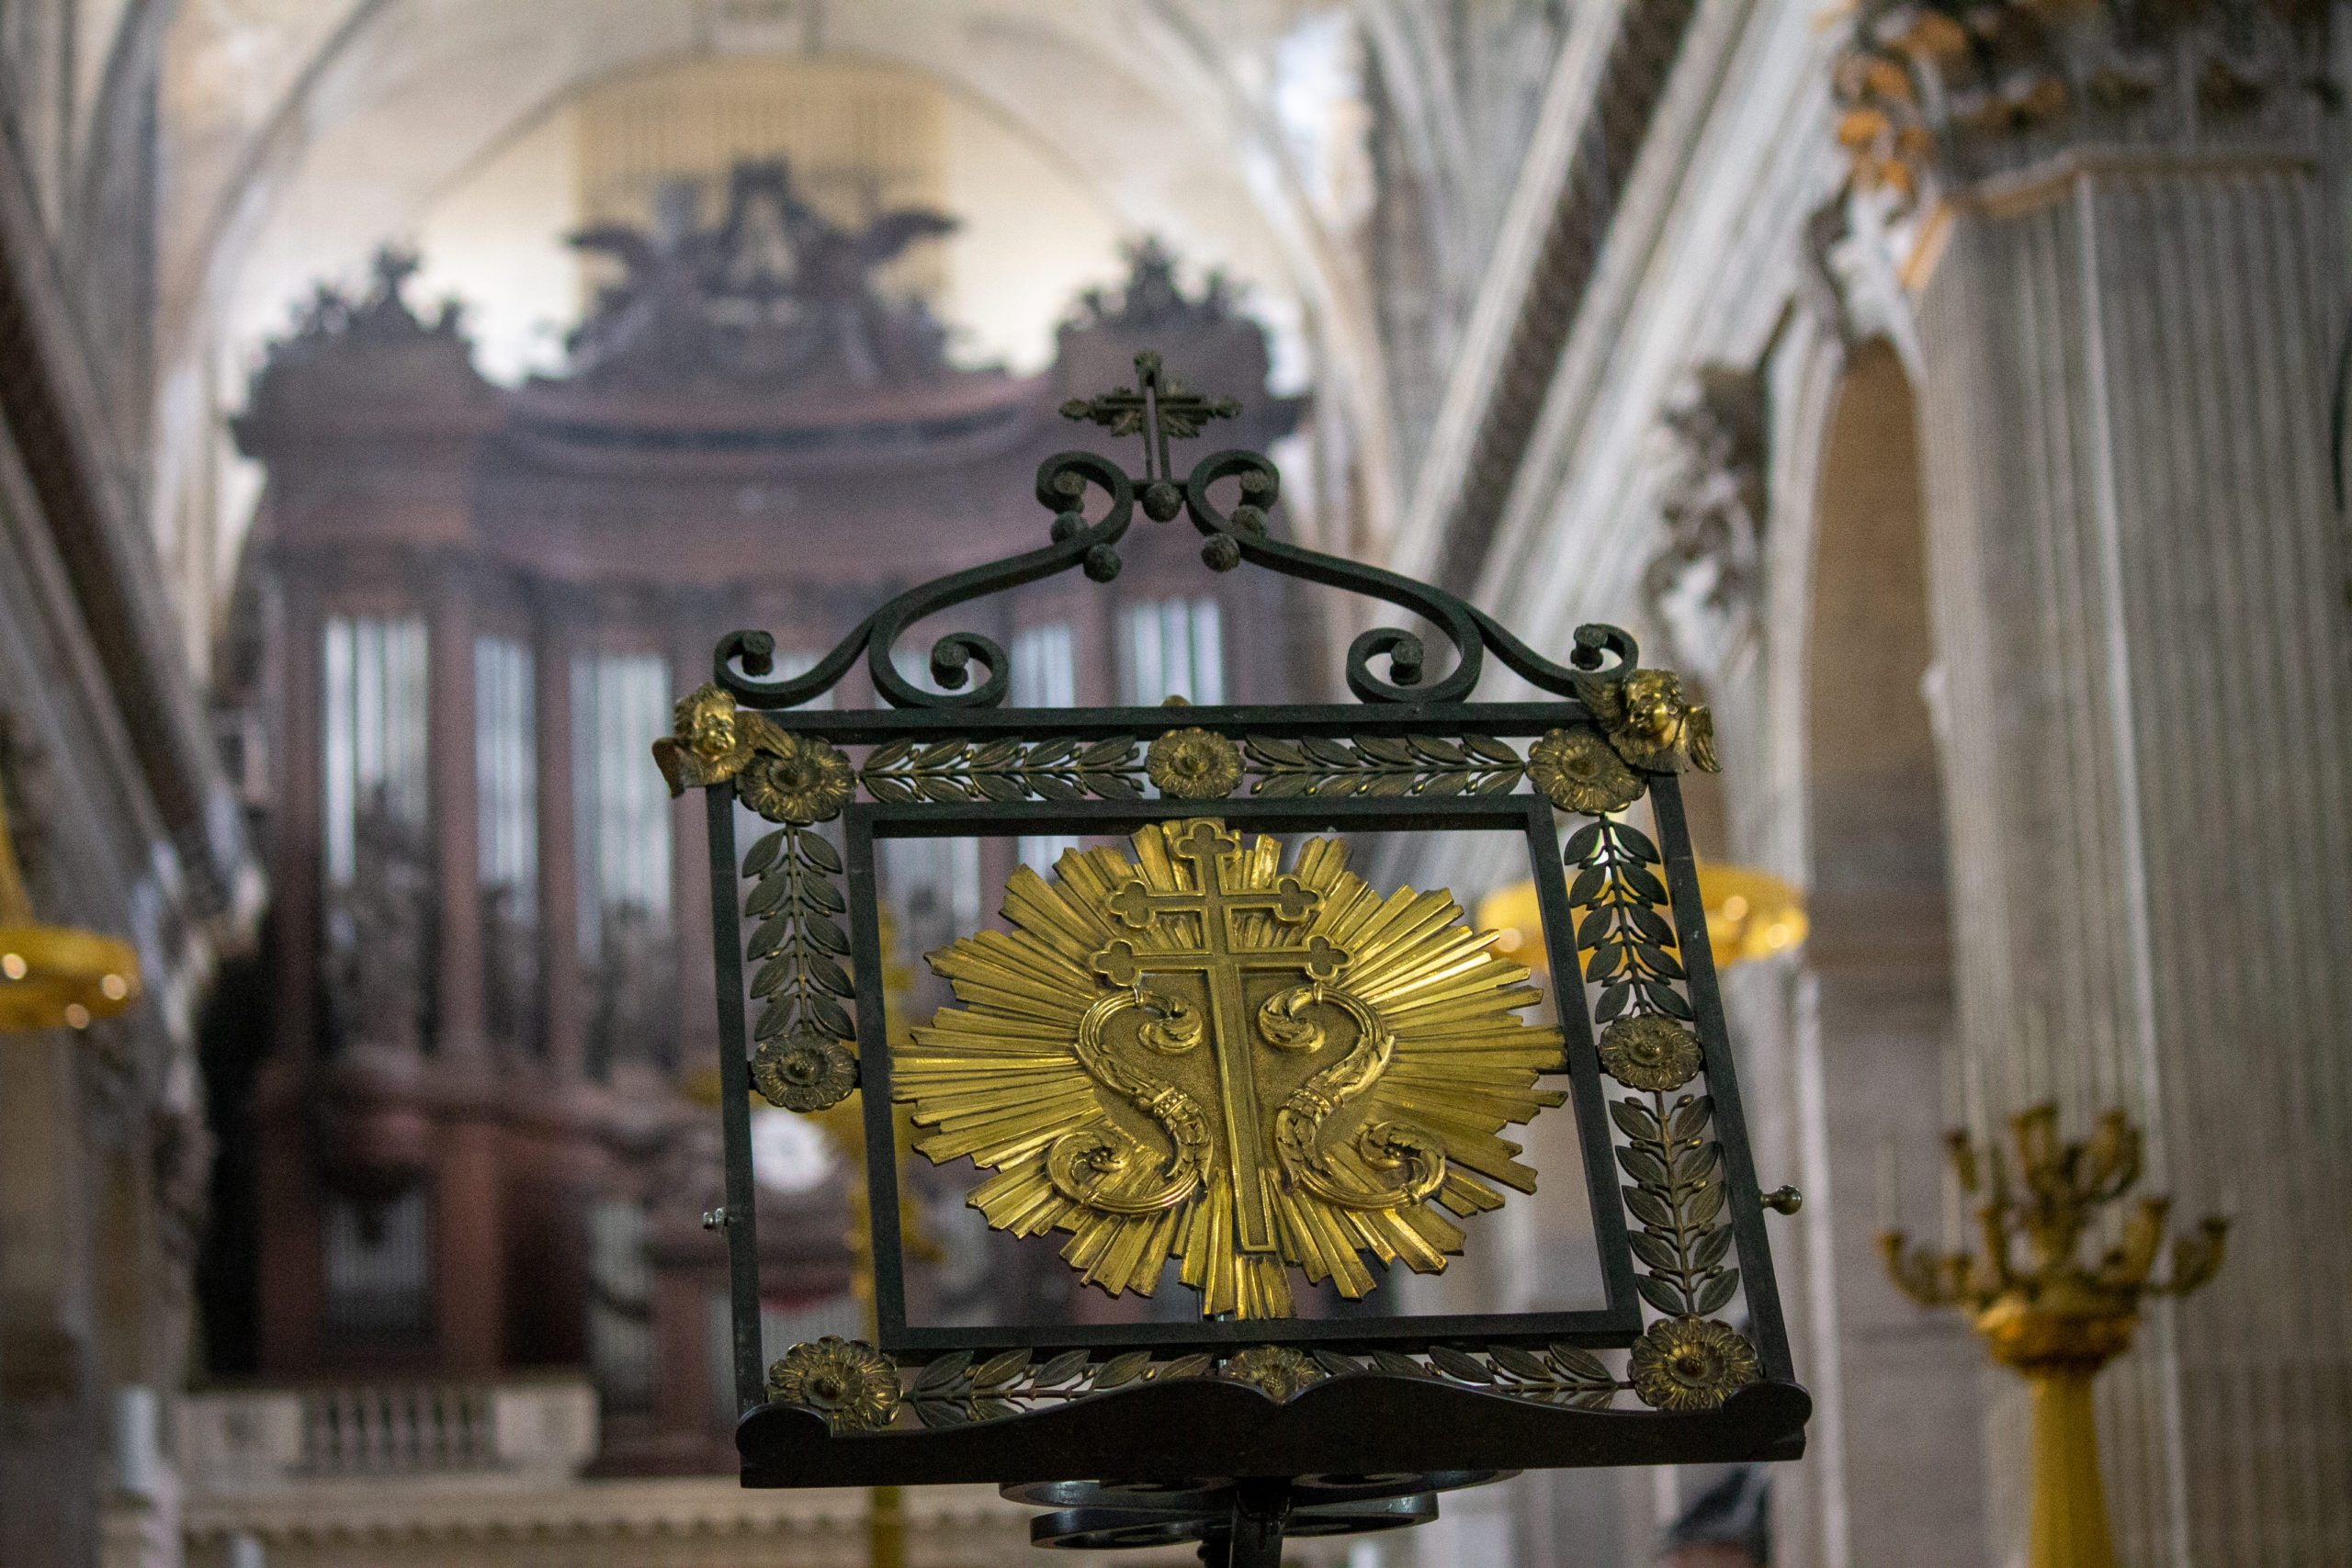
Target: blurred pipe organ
[474, 1150]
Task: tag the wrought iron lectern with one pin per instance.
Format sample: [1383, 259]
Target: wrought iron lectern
[1221, 1062]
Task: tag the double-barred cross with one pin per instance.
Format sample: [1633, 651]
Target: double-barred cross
[1222, 963]
[1156, 408]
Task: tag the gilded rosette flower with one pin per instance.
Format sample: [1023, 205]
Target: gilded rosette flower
[804, 1071]
[800, 780]
[1274, 1370]
[1690, 1363]
[1649, 1053]
[1194, 765]
[1578, 770]
[853, 1386]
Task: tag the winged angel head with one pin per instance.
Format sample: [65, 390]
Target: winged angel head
[1192, 1051]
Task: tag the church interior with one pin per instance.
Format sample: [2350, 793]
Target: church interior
[404, 397]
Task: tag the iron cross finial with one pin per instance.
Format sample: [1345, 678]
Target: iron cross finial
[1157, 407]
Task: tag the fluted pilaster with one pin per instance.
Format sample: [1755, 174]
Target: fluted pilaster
[2139, 593]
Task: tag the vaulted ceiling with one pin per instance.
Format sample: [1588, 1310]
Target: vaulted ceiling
[297, 134]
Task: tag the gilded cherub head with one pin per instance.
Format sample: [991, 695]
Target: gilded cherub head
[705, 720]
[709, 740]
[1651, 723]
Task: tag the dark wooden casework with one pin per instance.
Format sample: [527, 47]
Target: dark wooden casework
[748, 437]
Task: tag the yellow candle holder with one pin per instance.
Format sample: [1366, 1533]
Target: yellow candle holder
[55, 976]
[2056, 1320]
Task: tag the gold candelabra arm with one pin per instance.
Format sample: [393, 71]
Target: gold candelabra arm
[2127, 1264]
[2042, 1159]
[2195, 1259]
[1928, 1277]
[2114, 1151]
[1903, 1267]
[1994, 1275]
[2055, 1187]
[1961, 1152]
[2067, 1184]
[1978, 1278]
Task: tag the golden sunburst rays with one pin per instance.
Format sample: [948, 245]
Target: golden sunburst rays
[1194, 1053]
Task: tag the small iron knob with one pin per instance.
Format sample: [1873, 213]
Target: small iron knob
[1785, 1200]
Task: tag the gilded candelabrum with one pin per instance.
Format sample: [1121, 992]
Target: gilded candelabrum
[2052, 1318]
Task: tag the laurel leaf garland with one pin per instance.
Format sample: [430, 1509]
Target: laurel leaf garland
[1381, 766]
[797, 940]
[1676, 1194]
[952, 1392]
[957, 771]
[1631, 946]
[1559, 1374]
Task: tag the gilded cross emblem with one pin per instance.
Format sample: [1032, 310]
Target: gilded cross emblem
[1221, 960]
[1187, 1052]
[1157, 407]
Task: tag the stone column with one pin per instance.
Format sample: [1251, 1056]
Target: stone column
[2139, 593]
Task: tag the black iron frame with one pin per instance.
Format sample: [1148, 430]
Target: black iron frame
[1614, 1324]
[1365, 1421]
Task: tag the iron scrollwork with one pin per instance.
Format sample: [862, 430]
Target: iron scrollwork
[1602, 654]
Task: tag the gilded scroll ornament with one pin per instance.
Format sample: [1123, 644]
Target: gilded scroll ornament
[1577, 771]
[1194, 765]
[1650, 722]
[1197, 1053]
[853, 1386]
[1949, 91]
